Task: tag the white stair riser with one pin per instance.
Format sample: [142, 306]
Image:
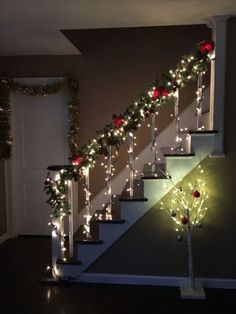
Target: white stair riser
[155, 189]
[202, 145]
[111, 232]
[132, 211]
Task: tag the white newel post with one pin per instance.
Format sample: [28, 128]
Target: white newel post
[217, 89]
[57, 226]
[131, 161]
[56, 245]
[88, 204]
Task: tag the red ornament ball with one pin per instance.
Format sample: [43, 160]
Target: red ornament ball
[206, 47]
[184, 220]
[156, 93]
[196, 194]
[76, 161]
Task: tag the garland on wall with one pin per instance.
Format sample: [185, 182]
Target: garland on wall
[115, 133]
[8, 85]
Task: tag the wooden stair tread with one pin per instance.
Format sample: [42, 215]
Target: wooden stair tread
[58, 167]
[202, 132]
[167, 152]
[111, 221]
[89, 241]
[69, 261]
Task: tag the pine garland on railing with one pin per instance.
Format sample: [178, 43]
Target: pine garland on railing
[159, 94]
[7, 85]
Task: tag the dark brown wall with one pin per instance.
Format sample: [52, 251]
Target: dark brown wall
[150, 247]
[3, 212]
[117, 65]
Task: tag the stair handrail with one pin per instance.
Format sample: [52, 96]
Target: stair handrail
[114, 134]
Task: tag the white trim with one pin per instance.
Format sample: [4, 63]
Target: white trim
[217, 86]
[4, 237]
[219, 283]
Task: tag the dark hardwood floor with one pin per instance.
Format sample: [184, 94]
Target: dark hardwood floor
[23, 261]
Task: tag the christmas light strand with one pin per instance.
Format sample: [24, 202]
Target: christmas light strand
[159, 94]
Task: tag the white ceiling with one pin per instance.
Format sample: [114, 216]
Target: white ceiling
[32, 27]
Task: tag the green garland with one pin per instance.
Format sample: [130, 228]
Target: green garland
[114, 134]
[7, 85]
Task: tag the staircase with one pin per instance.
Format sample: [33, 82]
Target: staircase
[126, 210]
[103, 228]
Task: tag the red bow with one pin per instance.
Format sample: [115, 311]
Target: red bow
[118, 120]
[206, 47]
[76, 161]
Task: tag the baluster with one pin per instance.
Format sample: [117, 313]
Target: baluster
[178, 139]
[199, 101]
[71, 218]
[131, 161]
[56, 245]
[109, 180]
[62, 235]
[154, 142]
[88, 204]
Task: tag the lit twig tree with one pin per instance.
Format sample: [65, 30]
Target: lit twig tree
[187, 207]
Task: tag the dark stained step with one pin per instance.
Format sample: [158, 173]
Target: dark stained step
[202, 132]
[58, 167]
[69, 261]
[89, 242]
[159, 172]
[111, 221]
[167, 152]
[138, 193]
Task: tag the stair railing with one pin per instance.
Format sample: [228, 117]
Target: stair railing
[59, 184]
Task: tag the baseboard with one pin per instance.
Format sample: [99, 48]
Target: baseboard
[4, 237]
[219, 283]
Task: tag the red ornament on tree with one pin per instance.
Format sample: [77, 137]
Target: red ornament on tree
[155, 93]
[206, 47]
[76, 161]
[196, 194]
[184, 220]
[164, 92]
[118, 121]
